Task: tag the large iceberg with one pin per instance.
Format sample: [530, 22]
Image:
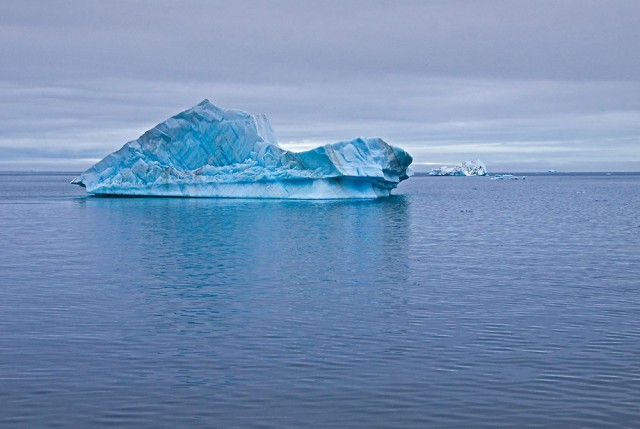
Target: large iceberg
[467, 168]
[207, 151]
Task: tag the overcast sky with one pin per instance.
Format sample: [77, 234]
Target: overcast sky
[521, 85]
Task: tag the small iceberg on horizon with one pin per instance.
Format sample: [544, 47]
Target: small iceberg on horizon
[467, 168]
[507, 177]
[207, 151]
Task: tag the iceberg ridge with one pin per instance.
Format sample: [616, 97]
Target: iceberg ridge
[207, 151]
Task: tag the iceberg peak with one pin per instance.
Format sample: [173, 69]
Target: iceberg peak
[208, 151]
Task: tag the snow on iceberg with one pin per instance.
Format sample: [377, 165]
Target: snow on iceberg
[467, 168]
[207, 151]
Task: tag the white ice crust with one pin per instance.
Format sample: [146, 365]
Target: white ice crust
[207, 151]
[467, 168]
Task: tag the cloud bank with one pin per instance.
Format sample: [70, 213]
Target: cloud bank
[520, 85]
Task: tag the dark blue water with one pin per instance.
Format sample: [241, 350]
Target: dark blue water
[460, 302]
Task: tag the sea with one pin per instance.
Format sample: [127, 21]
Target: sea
[459, 302]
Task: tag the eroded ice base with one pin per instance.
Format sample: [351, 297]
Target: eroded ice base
[333, 188]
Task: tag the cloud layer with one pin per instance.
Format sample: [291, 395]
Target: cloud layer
[521, 85]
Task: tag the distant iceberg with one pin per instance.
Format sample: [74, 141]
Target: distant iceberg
[507, 177]
[467, 168]
[207, 151]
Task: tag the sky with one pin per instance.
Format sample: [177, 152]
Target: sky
[520, 85]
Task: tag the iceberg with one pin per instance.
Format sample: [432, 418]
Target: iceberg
[467, 168]
[207, 151]
[507, 177]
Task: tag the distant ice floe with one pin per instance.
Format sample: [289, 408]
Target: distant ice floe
[467, 168]
[507, 177]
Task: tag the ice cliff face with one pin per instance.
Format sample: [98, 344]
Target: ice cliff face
[467, 168]
[207, 151]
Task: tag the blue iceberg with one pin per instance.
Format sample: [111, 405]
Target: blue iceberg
[207, 151]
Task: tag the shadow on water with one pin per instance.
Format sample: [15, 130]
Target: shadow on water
[203, 242]
[244, 297]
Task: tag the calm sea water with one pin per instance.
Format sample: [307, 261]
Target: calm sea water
[459, 302]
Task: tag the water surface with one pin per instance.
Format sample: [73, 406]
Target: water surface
[459, 302]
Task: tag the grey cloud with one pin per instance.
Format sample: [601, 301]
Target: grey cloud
[520, 83]
[268, 41]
